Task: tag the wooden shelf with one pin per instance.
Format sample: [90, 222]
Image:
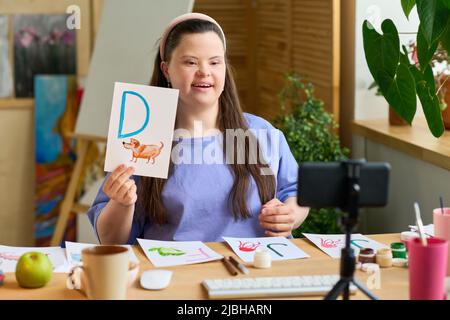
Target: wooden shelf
[9, 103]
[415, 140]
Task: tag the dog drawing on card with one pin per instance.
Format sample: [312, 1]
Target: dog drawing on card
[144, 151]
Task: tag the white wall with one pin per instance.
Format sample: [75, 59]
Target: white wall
[411, 180]
[367, 104]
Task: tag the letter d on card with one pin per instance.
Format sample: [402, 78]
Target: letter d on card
[141, 129]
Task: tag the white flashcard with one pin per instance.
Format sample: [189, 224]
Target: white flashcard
[9, 256]
[279, 248]
[173, 253]
[332, 244]
[141, 129]
[73, 252]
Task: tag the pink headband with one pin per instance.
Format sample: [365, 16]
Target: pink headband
[185, 17]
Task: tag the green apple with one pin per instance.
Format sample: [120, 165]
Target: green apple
[33, 270]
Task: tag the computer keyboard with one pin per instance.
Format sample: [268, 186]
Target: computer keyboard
[266, 287]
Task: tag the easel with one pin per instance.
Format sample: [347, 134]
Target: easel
[69, 204]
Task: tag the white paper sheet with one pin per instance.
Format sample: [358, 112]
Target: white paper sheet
[10, 255]
[73, 252]
[173, 253]
[332, 244]
[141, 129]
[429, 229]
[280, 248]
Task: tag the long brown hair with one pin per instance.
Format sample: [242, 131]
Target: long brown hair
[230, 117]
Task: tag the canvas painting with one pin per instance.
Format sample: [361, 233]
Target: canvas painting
[42, 45]
[56, 108]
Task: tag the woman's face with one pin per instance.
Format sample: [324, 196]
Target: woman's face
[197, 68]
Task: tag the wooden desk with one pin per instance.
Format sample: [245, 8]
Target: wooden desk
[186, 280]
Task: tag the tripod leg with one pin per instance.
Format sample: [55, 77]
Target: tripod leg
[338, 288]
[364, 290]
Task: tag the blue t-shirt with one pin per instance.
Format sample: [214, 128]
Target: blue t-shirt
[196, 194]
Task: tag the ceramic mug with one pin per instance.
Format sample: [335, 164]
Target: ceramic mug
[105, 274]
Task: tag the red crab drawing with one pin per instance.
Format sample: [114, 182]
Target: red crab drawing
[248, 246]
[328, 243]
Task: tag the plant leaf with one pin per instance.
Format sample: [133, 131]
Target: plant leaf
[431, 108]
[446, 3]
[400, 92]
[433, 16]
[425, 51]
[428, 76]
[407, 6]
[382, 51]
[445, 39]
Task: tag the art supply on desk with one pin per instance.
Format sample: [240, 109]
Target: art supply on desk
[400, 262]
[423, 237]
[384, 257]
[229, 266]
[398, 250]
[370, 267]
[366, 255]
[262, 259]
[441, 221]
[239, 265]
[2, 278]
[427, 268]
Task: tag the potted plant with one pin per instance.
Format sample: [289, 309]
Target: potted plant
[401, 81]
[441, 66]
[440, 63]
[394, 118]
[311, 134]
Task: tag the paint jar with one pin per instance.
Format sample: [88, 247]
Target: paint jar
[384, 257]
[398, 250]
[366, 255]
[262, 259]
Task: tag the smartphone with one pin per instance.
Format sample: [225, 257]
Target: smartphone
[326, 184]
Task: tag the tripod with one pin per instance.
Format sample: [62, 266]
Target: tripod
[347, 267]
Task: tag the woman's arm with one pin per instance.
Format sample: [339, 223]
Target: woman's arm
[300, 213]
[279, 219]
[115, 221]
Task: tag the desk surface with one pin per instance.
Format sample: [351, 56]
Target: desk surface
[186, 280]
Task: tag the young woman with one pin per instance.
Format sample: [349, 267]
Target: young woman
[245, 195]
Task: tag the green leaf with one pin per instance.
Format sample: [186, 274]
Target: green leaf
[445, 39]
[428, 76]
[425, 51]
[400, 92]
[382, 51]
[407, 6]
[431, 108]
[446, 3]
[433, 17]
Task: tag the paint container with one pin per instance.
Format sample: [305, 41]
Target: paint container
[262, 259]
[366, 255]
[384, 257]
[398, 250]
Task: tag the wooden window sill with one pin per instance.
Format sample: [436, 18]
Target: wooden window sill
[415, 140]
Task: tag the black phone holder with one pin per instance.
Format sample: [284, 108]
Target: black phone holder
[349, 180]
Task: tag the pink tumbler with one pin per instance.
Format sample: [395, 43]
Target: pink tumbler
[441, 221]
[427, 268]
